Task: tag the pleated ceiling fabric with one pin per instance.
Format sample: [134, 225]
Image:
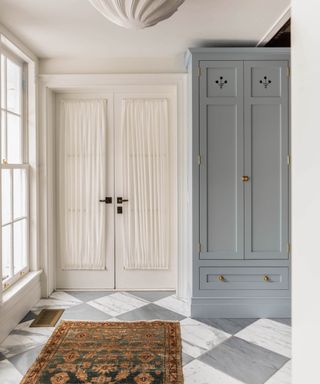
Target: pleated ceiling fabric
[82, 181]
[146, 183]
[136, 14]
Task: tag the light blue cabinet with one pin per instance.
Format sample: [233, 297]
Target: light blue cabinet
[266, 101]
[221, 151]
[240, 136]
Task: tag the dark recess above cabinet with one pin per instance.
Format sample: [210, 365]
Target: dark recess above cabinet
[282, 38]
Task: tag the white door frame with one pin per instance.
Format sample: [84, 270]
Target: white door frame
[48, 86]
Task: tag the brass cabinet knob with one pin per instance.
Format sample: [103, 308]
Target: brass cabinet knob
[245, 178]
[221, 278]
[266, 278]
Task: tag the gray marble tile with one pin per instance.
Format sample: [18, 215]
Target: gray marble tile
[175, 304]
[150, 312]
[152, 296]
[283, 376]
[2, 357]
[57, 300]
[197, 338]
[86, 296]
[29, 316]
[117, 303]
[230, 326]
[197, 372]
[244, 361]
[269, 334]
[286, 321]
[23, 361]
[84, 312]
[9, 373]
[24, 338]
[186, 359]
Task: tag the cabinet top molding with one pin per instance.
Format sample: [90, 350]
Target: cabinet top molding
[237, 53]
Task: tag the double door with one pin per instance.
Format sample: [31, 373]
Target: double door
[116, 220]
[244, 175]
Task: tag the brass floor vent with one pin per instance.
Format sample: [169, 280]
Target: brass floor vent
[47, 318]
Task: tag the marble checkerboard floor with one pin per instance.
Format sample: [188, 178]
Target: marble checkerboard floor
[215, 351]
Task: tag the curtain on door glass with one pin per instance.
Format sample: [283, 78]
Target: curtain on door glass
[82, 180]
[146, 183]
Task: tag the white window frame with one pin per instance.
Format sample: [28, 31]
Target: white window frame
[14, 277]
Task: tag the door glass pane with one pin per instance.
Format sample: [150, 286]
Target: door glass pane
[3, 83]
[6, 195]
[14, 155]
[6, 251]
[19, 193]
[3, 136]
[13, 86]
[20, 245]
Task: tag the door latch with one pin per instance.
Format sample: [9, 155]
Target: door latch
[107, 200]
[120, 200]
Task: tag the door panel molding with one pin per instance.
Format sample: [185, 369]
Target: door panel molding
[266, 159]
[221, 146]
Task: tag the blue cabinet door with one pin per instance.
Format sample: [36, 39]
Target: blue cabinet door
[266, 118]
[221, 168]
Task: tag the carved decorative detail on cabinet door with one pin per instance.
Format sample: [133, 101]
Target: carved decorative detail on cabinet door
[221, 82]
[266, 82]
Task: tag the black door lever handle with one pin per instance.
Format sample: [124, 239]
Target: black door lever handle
[107, 200]
[120, 200]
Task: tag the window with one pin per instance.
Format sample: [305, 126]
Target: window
[14, 170]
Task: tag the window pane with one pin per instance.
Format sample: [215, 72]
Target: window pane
[13, 86]
[19, 193]
[2, 81]
[3, 136]
[14, 155]
[20, 245]
[6, 251]
[6, 195]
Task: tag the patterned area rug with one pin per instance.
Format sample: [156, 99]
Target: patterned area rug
[110, 352]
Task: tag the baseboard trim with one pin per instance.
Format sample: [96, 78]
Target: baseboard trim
[241, 307]
[17, 303]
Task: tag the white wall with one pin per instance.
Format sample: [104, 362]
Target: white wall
[174, 64]
[306, 189]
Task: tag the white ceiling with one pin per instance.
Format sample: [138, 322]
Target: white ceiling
[68, 30]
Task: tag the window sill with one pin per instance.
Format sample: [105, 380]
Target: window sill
[20, 286]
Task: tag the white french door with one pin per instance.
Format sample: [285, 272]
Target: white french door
[145, 230]
[118, 148]
[84, 174]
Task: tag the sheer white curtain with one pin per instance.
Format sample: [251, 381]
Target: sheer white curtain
[82, 179]
[146, 183]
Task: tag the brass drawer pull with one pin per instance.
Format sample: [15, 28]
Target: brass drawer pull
[221, 278]
[266, 278]
[245, 178]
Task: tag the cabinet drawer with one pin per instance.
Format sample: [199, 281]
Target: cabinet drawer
[243, 278]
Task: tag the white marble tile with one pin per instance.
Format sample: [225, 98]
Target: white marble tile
[197, 338]
[197, 372]
[8, 373]
[283, 376]
[118, 303]
[23, 338]
[57, 300]
[269, 334]
[175, 305]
